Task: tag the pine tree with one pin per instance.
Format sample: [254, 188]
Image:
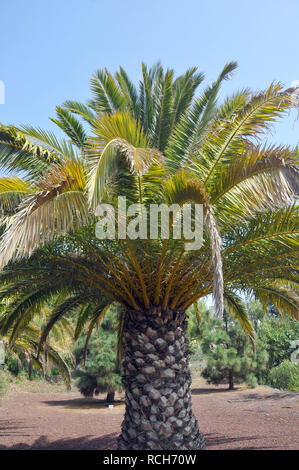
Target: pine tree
[100, 373]
[229, 356]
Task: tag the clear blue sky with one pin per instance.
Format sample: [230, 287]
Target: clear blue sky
[50, 48]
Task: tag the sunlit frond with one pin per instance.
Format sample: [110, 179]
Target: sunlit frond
[117, 136]
[12, 190]
[80, 109]
[183, 93]
[107, 96]
[71, 126]
[254, 119]
[188, 134]
[17, 153]
[57, 206]
[129, 90]
[49, 141]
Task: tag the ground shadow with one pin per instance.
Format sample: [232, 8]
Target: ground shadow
[208, 391]
[12, 427]
[107, 442]
[215, 440]
[271, 396]
[83, 403]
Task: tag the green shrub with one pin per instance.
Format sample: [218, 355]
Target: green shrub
[251, 380]
[277, 335]
[21, 377]
[285, 376]
[4, 382]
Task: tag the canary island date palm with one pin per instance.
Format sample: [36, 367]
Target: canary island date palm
[25, 346]
[161, 143]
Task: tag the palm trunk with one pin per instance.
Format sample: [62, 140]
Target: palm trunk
[30, 368]
[46, 364]
[157, 381]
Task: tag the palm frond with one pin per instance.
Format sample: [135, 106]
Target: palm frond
[286, 300]
[12, 190]
[71, 126]
[107, 96]
[238, 309]
[130, 92]
[255, 118]
[17, 153]
[58, 205]
[49, 141]
[61, 365]
[184, 89]
[161, 124]
[188, 134]
[80, 109]
[279, 162]
[118, 136]
[65, 307]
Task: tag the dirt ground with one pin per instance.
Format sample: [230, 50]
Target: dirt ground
[262, 418]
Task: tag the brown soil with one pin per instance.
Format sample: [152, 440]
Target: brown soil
[262, 418]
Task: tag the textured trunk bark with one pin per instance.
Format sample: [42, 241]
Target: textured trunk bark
[157, 381]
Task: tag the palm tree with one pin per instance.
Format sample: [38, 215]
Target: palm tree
[160, 144]
[25, 345]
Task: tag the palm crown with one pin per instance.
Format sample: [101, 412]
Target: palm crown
[158, 144]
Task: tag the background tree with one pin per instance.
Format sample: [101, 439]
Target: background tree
[228, 354]
[97, 370]
[277, 335]
[22, 352]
